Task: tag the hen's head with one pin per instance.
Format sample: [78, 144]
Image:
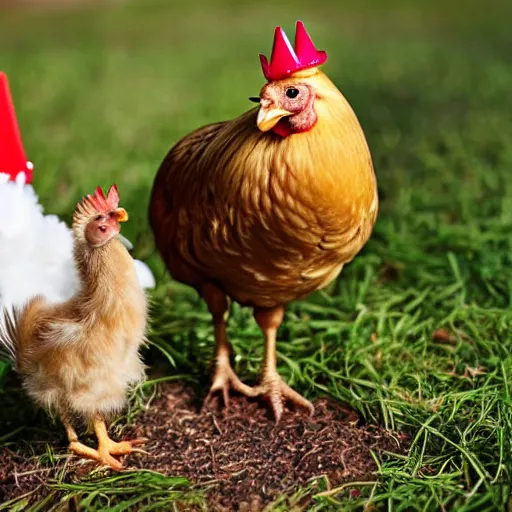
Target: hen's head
[287, 101]
[96, 218]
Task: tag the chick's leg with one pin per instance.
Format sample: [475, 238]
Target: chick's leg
[82, 450]
[107, 447]
[224, 377]
[272, 386]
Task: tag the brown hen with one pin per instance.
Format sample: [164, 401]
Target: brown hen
[268, 207]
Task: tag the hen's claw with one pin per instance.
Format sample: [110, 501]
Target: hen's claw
[276, 391]
[224, 380]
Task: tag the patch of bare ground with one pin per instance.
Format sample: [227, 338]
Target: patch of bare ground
[240, 454]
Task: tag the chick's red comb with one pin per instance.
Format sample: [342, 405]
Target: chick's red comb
[104, 204]
[12, 155]
[285, 60]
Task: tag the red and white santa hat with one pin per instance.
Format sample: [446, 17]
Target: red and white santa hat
[13, 160]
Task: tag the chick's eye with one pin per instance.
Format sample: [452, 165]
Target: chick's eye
[98, 217]
[292, 92]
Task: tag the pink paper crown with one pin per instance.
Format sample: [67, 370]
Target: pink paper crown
[12, 155]
[285, 60]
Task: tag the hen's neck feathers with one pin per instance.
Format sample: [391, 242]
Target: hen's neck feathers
[328, 168]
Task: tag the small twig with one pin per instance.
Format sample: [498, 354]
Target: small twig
[214, 463]
[216, 424]
[207, 482]
[33, 472]
[342, 458]
[337, 490]
[311, 452]
[228, 467]
[238, 473]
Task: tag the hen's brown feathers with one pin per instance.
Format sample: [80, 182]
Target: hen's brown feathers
[268, 219]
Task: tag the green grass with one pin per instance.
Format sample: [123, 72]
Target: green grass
[101, 95]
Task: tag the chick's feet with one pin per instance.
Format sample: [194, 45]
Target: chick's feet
[104, 458]
[225, 379]
[276, 391]
[125, 447]
[104, 453]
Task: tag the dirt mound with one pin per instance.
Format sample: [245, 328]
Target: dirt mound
[243, 457]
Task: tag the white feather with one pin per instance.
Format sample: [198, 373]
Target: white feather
[146, 278]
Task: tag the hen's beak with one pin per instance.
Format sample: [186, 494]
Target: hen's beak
[120, 214]
[269, 116]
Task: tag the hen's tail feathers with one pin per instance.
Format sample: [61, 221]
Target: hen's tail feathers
[8, 334]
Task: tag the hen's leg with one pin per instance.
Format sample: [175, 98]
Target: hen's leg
[272, 386]
[224, 377]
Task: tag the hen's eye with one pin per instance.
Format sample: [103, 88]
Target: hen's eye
[98, 217]
[292, 92]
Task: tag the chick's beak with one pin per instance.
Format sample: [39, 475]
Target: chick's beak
[121, 215]
[269, 116]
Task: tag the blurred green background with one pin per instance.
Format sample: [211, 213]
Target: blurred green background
[103, 90]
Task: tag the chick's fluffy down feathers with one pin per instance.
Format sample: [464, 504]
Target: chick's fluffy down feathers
[36, 250]
[77, 358]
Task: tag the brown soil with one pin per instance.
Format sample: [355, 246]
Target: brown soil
[240, 453]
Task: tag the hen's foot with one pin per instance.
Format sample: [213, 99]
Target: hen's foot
[104, 458]
[276, 391]
[225, 379]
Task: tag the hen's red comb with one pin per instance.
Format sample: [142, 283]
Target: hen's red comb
[285, 60]
[12, 155]
[104, 204]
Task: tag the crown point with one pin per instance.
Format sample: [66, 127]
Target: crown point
[286, 60]
[264, 66]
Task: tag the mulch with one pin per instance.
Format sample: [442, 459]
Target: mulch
[240, 454]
